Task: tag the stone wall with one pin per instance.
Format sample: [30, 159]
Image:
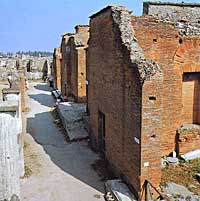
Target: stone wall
[173, 11]
[34, 66]
[185, 16]
[9, 150]
[13, 128]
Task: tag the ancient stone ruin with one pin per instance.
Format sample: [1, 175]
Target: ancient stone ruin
[13, 127]
[142, 86]
[142, 75]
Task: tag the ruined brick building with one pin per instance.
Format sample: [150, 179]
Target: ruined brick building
[73, 63]
[143, 86]
[56, 68]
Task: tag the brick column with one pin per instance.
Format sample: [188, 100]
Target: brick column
[22, 87]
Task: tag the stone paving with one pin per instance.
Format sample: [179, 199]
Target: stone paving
[72, 119]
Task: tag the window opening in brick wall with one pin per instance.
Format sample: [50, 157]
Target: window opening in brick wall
[152, 98]
[65, 90]
[101, 132]
[155, 40]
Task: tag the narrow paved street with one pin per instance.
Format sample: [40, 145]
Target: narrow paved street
[60, 171]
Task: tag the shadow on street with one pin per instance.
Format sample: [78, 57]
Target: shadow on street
[43, 87]
[73, 158]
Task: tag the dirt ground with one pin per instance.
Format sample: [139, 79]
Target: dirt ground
[183, 174]
[56, 170]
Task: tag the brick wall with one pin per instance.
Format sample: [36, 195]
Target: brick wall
[176, 55]
[117, 89]
[152, 120]
[187, 60]
[188, 138]
[65, 61]
[57, 68]
[110, 78]
[159, 42]
[81, 74]
[74, 63]
[160, 104]
[79, 63]
[74, 68]
[190, 98]
[83, 32]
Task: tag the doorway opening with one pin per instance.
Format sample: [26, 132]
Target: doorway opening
[101, 133]
[191, 98]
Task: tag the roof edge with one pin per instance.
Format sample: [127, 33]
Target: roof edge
[67, 34]
[111, 7]
[82, 25]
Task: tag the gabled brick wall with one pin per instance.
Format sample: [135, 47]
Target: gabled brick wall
[120, 82]
[136, 68]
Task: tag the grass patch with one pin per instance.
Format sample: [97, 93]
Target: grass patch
[177, 196]
[28, 171]
[33, 156]
[31, 160]
[27, 109]
[26, 145]
[97, 196]
[183, 174]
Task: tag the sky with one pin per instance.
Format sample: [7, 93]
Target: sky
[38, 24]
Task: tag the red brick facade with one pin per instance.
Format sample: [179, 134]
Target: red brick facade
[73, 63]
[143, 85]
[65, 72]
[139, 92]
[132, 126]
[188, 138]
[177, 55]
[57, 68]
